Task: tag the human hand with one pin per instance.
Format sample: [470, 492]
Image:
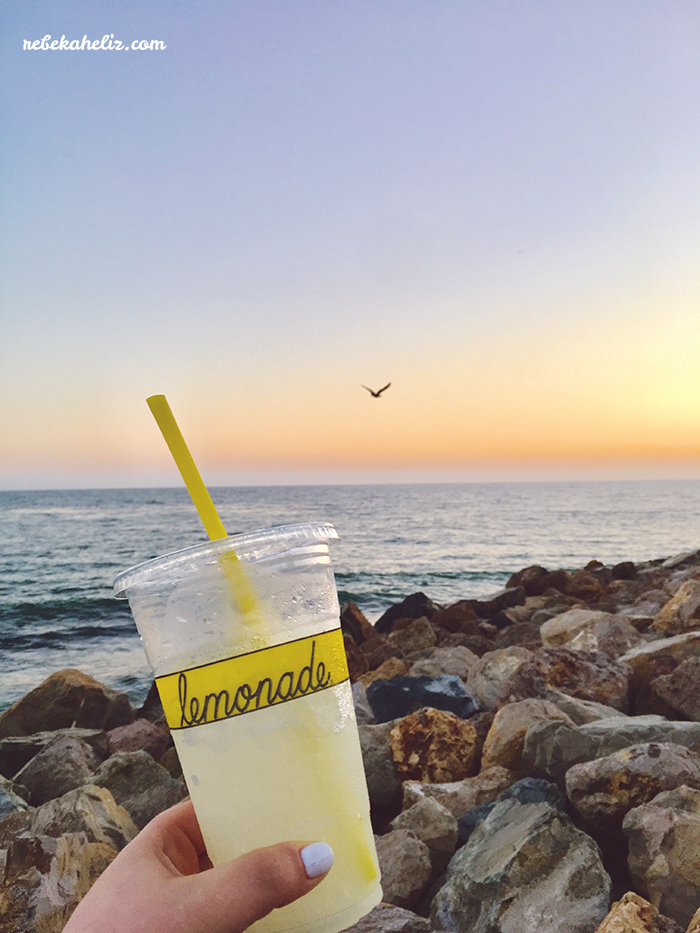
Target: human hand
[163, 882]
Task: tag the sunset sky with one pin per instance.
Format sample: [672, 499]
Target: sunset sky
[495, 206]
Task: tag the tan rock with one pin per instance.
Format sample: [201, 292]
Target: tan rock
[60, 766]
[66, 698]
[505, 739]
[604, 790]
[458, 660]
[682, 612]
[404, 862]
[90, 810]
[432, 745]
[660, 657]
[434, 825]
[392, 667]
[411, 635]
[634, 914]
[695, 923]
[460, 796]
[567, 625]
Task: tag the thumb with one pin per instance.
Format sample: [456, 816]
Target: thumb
[232, 896]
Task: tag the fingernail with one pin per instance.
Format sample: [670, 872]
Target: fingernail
[317, 859]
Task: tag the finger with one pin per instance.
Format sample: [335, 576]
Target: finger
[232, 896]
[175, 833]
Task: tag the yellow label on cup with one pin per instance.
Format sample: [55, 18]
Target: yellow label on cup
[253, 681]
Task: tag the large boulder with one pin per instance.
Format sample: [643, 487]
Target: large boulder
[664, 852]
[506, 737]
[46, 877]
[603, 791]
[527, 790]
[404, 862]
[62, 765]
[67, 698]
[434, 746]
[551, 748]
[525, 869]
[90, 810]
[587, 675]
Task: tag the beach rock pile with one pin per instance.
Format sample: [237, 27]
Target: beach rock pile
[532, 760]
[81, 772]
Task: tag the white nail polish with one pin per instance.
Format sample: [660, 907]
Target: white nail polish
[317, 859]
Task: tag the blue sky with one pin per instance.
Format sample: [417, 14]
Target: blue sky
[493, 205]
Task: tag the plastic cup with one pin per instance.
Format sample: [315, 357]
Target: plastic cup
[260, 707]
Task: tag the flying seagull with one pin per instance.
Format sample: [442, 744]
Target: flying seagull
[378, 392]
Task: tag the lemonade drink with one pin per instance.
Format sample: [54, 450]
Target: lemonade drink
[260, 708]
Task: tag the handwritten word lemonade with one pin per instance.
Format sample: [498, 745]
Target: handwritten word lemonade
[266, 732]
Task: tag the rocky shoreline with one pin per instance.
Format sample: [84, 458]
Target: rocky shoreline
[532, 759]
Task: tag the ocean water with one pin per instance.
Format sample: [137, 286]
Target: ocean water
[61, 550]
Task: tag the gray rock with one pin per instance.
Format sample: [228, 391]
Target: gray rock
[460, 796]
[525, 869]
[140, 785]
[581, 711]
[613, 635]
[602, 791]
[405, 865]
[10, 800]
[62, 765]
[664, 851]
[383, 780]
[89, 809]
[363, 711]
[489, 675]
[551, 748]
[434, 825]
[561, 629]
[679, 689]
[17, 750]
[385, 918]
[45, 877]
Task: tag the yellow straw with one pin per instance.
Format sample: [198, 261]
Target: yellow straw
[199, 494]
[188, 468]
